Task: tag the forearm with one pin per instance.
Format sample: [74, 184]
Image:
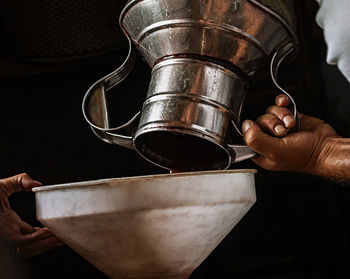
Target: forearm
[334, 160]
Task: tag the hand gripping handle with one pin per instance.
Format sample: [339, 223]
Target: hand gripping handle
[276, 61]
[243, 152]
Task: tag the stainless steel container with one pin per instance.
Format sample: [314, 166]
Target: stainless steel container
[203, 55]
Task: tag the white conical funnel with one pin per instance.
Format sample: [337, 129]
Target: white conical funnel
[155, 227]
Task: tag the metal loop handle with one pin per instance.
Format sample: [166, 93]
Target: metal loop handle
[95, 107]
[276, 61]
[280, 56]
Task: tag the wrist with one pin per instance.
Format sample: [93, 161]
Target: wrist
[333, 160]
[321, 166]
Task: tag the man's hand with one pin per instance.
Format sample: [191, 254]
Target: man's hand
[306, 150]
[25, 239]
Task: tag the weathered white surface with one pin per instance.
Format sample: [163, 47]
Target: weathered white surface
[147, 227]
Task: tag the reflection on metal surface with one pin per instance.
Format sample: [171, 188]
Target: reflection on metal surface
[203, 54]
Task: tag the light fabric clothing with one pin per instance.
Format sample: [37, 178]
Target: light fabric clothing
[334, 17]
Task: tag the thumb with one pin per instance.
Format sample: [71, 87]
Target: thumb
[257, 139]
[18, 183]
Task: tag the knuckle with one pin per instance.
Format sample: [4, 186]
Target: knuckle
[279, 112]
[251, 138]
[271, 122]
[273, 159]
[283, 111]
[261, 119]
[270, 109]
[4, 187]
[273, 166]
[23, 174]
[268, 121]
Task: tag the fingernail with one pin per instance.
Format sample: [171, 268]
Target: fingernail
[280, 130]
[281, 99]
[246, 126]
[288, 120]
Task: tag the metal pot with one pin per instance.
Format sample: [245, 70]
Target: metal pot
[203, 55]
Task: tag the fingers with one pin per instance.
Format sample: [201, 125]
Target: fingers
[30, 238]
[37, 242]
[18, 183]
[258, 140]
[27, 182]
[40, 246]
[25, 228]
[283, 114]
[272, 124]
[278, 119]
[44, 232]
[13, 230]
[282, 100]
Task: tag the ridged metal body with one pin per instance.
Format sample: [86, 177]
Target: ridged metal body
[203, 54]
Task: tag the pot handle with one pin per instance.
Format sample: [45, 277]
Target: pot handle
[276, 62]
[243, 152]
[95, 106]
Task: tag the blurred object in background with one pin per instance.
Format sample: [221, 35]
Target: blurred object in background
[44, 36]
[52, 30]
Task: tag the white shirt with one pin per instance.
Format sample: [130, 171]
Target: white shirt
[334, 17]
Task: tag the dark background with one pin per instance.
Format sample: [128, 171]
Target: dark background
[299, 227]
